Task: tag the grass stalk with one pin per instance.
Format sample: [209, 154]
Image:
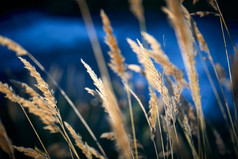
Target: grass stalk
[34, 130]
[161, 135]
[227, 30]
[132, 120]
[229, 69]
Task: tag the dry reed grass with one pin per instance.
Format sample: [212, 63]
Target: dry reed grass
[31, 152]
[176, 118]
[111, 107]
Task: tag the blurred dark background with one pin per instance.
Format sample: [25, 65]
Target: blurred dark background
[70, 8]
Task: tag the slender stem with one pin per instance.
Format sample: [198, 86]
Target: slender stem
[214, 88]
[141, 105]
[93, 39]
[228, 110]
[67, 137]
[34, 130]
[143, 109]
[132, 119]
[190, 141]
[229, 68]
[224, 22]
[169, 136]
[161, 135]
[157, 155]
[68, 143]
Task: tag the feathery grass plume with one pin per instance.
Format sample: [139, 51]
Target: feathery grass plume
[203, 46]
[152, 75]
[154, 78]
[185, 39]
[116, 59]
[116, 64]
[41, 85]
[36, 154]
[137, 9]
[153, 105]
[78, 141]
[196, 33]
[204, 13]
[26, 88]
[5, 142]
[213, 4]
[160, 57]
[46, 114]
[186, 126]
[94, 93]
[94, 152]
[13, 46]
[111, 106]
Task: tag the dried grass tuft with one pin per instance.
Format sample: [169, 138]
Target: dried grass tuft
[185, 39]
[78, 141]
[13, 46]
[153, 105]
[116, 59]
[31, 152]
[111, 107]
[41, 84]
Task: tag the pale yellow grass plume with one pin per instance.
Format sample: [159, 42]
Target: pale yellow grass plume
[31, 153]
[41, 84]
[153, 105]
[152, 75]
[13, 46]
[94, 152]
[5, 142]
[94, 93]
[37, 107]
[160, 57]
[111, 106]
[78, 141]
[185, 39]
[196, 32]
[116, 59]
[27, 89]
[137, 9]
[203, 13]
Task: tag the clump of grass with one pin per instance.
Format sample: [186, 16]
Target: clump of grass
[173, 127]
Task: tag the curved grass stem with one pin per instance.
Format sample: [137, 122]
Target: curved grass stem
[34, 130]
